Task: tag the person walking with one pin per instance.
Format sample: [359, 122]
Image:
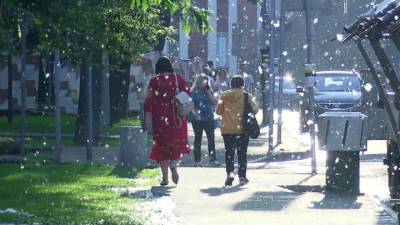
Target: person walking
[207, 71]
[210, 64]
[203, 118]
[222, 82]
[249, 85]
[231, 108]
[170, 134]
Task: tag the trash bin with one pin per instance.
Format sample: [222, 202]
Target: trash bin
[343, 136]
[133, 147]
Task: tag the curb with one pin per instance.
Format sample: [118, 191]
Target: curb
[381, 203]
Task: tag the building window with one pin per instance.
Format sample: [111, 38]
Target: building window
[222, 50]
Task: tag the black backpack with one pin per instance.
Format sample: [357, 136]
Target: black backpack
[250, 124]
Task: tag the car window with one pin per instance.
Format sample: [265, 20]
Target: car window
[337, 83]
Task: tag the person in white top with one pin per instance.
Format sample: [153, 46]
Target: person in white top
[222, 82]
[207, 71]
[248, 79]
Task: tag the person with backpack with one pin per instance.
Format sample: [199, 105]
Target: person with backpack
[163, 119]
[231, 107]
[203, 117]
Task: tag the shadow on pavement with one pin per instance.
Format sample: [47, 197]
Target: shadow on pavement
[288, 156]
[330, 200]
[304, 188]
[372, 157]
[217, 191]
[161, 190]
[261, 201]
[337, 201]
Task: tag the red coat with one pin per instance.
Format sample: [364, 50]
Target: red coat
[170, 142]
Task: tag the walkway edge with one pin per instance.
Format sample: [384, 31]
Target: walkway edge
[380, 202]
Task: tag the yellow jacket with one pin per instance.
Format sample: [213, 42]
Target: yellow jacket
[230, 107]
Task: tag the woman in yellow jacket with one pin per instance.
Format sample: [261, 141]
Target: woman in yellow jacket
[231, 108]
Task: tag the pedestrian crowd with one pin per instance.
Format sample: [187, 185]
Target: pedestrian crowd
[216, 100]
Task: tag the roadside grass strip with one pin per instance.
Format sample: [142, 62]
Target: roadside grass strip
[72, 193]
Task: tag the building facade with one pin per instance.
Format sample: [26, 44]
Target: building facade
[234, 40]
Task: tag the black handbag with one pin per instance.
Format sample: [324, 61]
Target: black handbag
[250, 124]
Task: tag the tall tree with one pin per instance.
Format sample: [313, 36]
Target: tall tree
[81, 30]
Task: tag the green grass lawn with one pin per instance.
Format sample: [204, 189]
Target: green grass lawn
[40, 124]
[46, 124]
[9, 145]
[69, 193]
[124, 122]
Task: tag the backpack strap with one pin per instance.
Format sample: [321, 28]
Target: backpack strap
[177, 119]
[176, 83]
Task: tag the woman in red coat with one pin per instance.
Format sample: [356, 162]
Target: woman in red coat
[170, 134]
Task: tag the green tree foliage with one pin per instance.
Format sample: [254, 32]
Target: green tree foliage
[190, 15]
[12, 15]
[83, 28]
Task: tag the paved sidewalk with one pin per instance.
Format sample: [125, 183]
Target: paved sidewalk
[281, 190]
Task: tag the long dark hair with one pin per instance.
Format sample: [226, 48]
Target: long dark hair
[164, 65]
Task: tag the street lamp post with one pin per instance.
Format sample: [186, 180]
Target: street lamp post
[310, 87]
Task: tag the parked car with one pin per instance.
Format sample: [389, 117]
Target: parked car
[290, 98]
[334, 91]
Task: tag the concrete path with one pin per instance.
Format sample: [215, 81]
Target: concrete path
[281, 190]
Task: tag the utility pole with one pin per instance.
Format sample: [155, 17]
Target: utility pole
[310, 87]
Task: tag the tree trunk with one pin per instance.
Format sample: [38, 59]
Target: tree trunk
[50, 88]
[57, 109]
[81, 128]
[97, 88]
[23, 90]
[10, 89]
[43, 86]
[105, 93]
[119, 88]
[79, 137]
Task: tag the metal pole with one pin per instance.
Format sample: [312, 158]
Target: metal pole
[386, 64]
[311, 89]
[280, 72]
[265, 61]
[271, 81]
[89, 114]
[56, 80]
[23, 89]
[381, 91]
